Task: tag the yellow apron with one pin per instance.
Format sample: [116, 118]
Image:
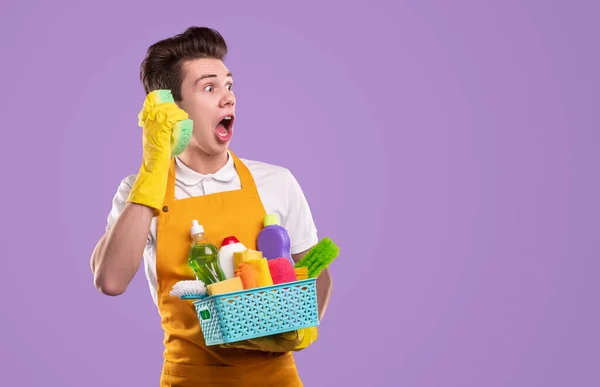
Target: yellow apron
[187, 360]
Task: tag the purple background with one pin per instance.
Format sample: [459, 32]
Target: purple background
[449, 148]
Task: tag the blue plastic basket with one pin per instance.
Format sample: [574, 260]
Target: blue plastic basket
[264, 311]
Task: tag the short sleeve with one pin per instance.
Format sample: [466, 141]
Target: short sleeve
[119, 201]
[298, 220]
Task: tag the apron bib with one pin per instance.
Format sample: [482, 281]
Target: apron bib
[187, 359]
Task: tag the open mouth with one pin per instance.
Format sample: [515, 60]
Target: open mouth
[224, 128]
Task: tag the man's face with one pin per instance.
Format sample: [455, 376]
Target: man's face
[209, 101]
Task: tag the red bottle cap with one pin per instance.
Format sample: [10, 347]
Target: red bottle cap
[229, 241]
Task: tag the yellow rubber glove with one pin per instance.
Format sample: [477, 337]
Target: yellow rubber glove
[157, 122]
[309, 336]
[282, 342]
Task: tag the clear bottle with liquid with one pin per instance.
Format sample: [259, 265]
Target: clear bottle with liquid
[204, 257]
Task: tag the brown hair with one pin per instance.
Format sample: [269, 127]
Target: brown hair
[161, 69]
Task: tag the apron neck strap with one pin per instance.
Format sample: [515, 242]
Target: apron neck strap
[246, 180]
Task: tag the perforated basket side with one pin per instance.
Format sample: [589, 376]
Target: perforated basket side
[209, 321]
[259, 312]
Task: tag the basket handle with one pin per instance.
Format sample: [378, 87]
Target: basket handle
[204, 314]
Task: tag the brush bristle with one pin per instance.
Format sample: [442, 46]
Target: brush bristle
[189, 288]
[319, 257]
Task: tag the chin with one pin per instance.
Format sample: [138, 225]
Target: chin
[217, 148]
[222, 144]
[222, 147]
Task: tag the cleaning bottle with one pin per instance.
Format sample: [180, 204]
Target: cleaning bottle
[273, 240]
[229, 246]
[204, 257]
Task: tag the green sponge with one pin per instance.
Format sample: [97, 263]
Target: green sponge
[182, 131]
[319, 257]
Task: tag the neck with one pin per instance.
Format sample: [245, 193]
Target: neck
[204, 163]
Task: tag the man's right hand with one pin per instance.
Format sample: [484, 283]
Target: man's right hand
[157, 122]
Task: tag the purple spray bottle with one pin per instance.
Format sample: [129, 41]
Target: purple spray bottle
[274, 240]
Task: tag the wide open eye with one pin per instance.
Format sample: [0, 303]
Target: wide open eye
[208, 88]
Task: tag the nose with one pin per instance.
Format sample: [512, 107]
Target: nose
[228, 99]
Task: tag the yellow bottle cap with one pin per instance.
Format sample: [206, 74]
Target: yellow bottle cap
[270, 220]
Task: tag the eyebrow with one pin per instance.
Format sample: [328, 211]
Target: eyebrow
[204, 76]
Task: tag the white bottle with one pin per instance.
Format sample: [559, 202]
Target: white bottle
[229, 246]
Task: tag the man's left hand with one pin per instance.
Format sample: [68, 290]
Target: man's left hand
[282, 342]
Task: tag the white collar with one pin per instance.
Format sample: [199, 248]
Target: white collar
[190, 177]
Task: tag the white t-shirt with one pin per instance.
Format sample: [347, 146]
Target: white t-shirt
[278, 189]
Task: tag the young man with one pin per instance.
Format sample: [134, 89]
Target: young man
[153, 210]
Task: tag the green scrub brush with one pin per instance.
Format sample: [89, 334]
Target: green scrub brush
[319, 257]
